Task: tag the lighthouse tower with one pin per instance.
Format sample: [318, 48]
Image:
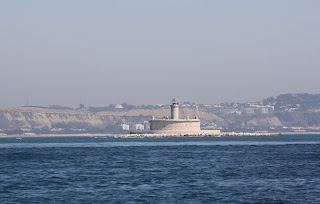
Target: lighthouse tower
[175, 109]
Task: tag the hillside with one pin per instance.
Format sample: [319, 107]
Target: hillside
[286, 112]
[17, 119]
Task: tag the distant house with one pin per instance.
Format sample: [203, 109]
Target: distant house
[146, 125]
[257, 110]
[118, 106]
[138, 127]
[124, 127]
[264, 110]
[250, 111]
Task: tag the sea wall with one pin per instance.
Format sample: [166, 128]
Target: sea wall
[175, 125]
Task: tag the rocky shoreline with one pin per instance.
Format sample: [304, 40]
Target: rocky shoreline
[222, 134]
[225, 134]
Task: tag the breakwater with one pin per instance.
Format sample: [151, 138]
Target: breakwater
[221, 134]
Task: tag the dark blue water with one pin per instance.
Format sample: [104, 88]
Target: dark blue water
[284, 169]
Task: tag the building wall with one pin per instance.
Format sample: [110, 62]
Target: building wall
[174, 111]
[176, 125]
[138, 127]
[125, 126]
[177, 132]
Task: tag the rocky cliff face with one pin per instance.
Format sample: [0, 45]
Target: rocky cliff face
[14, 118]
[28, 117]
[271, 121]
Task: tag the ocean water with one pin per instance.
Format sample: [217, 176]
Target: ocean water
[282, 169]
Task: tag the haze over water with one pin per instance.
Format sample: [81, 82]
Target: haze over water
[282, 169]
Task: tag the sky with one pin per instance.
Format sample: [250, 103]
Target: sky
[145, 52]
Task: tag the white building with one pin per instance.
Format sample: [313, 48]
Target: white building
[264, 110]
[118, 106]
[146, 125]
[250, 111]
[138, 127]
[125, 127]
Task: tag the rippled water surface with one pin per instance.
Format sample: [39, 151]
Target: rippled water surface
[284, 169]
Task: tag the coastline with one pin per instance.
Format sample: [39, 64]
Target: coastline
[222, 134]
[159, 135]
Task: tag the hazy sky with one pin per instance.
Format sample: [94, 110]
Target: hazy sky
[143, 52]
